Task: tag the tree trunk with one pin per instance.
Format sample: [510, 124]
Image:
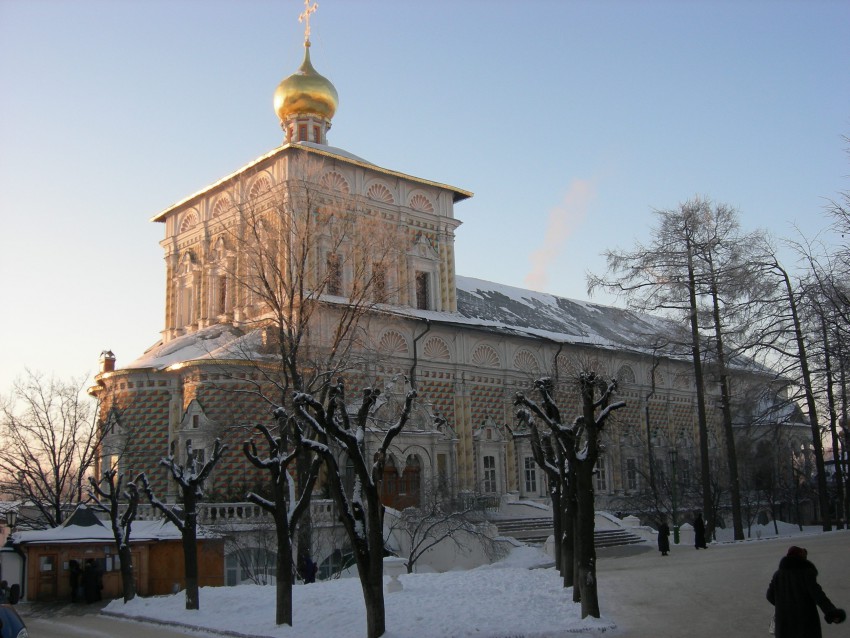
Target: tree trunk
[128, 583]
[568, 512]
[303, 465]
[190, 562]
[811, 404]
[702, 419]
[726, 409]
[557, 527]
[373, 595]
[283, 590]
[829, 373]
[586, 547]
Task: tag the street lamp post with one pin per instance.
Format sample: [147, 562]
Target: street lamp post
[673, 457]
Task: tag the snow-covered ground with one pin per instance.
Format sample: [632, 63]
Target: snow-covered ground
[694, 593]
[460, 603]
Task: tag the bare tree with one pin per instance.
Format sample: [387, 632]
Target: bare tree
[782, 331]
[549, 457]
[310, 263]
[190, 480]
[437, 520]
[361, 512]
[49, 441]
[106, 495]
[698, 266]
[284, 507]
[663, 276]
[580, 441]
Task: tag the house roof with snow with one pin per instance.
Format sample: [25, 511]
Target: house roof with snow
[84, 526]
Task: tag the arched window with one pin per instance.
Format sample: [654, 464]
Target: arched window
[389, 483]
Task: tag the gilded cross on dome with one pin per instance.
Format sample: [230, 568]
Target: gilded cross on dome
[305, 18]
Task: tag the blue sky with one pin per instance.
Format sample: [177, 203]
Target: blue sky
[570, 121]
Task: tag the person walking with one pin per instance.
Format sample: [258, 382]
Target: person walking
[699, 532]
[663, 537]
[92, 581]
[74, 573]
[795, 595]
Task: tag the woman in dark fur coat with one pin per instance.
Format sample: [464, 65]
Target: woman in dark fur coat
[796, 596]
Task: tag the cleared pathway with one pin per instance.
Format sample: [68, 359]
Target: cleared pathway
[718, 592]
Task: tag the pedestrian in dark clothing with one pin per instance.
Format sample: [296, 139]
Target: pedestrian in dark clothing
[663, 538]
[92, 581]
[74, 573]
[699, 532]
[308, 570]
[795, 594]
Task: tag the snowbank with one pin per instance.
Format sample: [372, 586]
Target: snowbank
[454, 604]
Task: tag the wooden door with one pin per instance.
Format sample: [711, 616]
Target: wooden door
[48, 577]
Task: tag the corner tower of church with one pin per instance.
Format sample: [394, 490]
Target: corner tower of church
[208, 270]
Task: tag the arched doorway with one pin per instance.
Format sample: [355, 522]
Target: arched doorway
[409, 490]
[389, 483]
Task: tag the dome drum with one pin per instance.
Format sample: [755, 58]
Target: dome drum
[305, 99]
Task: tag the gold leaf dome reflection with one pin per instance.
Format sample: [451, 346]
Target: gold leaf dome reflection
[305, 92]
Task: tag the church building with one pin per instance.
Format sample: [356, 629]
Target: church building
[311, 228]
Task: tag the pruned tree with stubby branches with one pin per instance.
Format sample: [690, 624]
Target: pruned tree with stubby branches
[361, 511]
[289, 499]
[190, 480]
[309, 264]
[580, 442]
[106, 495]
[549, 456]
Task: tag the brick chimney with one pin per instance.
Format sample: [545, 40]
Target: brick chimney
[107, 361]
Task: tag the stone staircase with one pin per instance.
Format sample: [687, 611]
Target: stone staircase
[535, 531]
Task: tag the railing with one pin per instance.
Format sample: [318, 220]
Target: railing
[322, 512]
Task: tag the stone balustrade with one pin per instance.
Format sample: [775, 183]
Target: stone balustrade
[323, 512]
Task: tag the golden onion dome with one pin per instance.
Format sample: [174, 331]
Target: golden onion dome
[305, 92]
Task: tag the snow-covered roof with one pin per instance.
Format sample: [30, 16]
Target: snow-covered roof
[557, 318]
[215, 342]
[319, 149]
[481, 304]
[83, 526]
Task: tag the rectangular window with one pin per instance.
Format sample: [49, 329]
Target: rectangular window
[530, 476]
[423, 290]
[601, 475]
[317, 135]
[302, 133]
[196, 420]
[684, 472]
[631, 474]
[660, 474]
[489, 484]
[379, 282]
[221, 302]
[334, 274]
[185, 306]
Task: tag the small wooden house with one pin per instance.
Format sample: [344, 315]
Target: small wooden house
[157, 549]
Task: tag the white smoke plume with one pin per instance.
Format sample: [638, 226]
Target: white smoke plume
[564, 219]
